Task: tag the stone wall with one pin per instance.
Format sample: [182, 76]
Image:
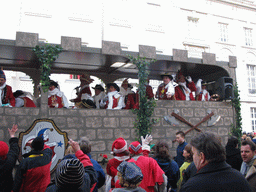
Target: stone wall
[104, 126]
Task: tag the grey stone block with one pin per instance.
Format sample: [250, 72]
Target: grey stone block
[98, 145]
[121, 112]
[159, 133]
[111, 122]
[165, 103]
[61, 122]
[7, 121]
[223, 131]
[71, 43]
[91, 112]
[228, 121]
[194, 121]
[89, 133]
[180, 55]
[72, 133]
[147, 51]
[232, 62]
[105, 133]
[126, 122]
[94, 122]
[111, 48]
[223, 112]
[57, 111]
[24, 39]
[187, 112]
[25, 121]
[200, 112]
[2, 134]
[160, 111]
[209, 58]
[188, 104]
[75, 122]
[2, 110]
[125, 133]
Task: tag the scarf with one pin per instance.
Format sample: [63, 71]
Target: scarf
[110, 98]
[57, 92]
[186, 90]
[170, 88]
[246, 166]
[1, 93]
[98, 99]
[204, 92]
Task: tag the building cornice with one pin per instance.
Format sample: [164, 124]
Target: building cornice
[239, 3]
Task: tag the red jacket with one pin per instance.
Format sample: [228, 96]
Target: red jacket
[55, 99]
[28, 102]
[33, 173]
[83, 91]
[8, 96]
[179, 95]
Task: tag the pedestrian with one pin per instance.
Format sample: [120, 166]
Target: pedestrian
[180, 138]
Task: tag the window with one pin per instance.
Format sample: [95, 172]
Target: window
[223, 32]
[248, 36]
[74, 76]
[251, 72]
[253, 118]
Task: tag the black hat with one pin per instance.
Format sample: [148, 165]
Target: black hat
[55, 84]
[88, 103]
[203, 83]
[99, 87]
[114, 85]
[38, 143]
[167, 74]
[69, 174]
[18, 93]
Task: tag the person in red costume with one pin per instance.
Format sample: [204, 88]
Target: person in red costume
[165, 90]
[185, 88]
[85, 81]
[153, 175]
[7, 98]
[128, 94]
[56, 98]
[201, 93]
[115, 99]
[22, 99]
[120, 153]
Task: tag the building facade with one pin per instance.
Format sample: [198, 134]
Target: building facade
[222, 27]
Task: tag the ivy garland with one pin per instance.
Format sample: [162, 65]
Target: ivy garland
[143, 121]
[46, 55]
[237, 128]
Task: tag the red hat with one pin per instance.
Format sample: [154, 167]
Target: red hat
[86, 77]
[135, 148]
[125, 82]
[3, 149]
[119, 145]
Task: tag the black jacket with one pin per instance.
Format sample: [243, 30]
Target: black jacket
[217, 177]
[7, 165]
[233, 157]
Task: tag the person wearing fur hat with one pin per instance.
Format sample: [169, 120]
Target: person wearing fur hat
[129, 177]
[153, 175]
[7, 98]
[120, 153]
[56, 98]
[185, 87]
[128, 94]
[85, 81]
[115, 99]
[74, 173]
[33, 172]
[165, 91]
[99, 96]
[201, 93]
[22, 99]
[8, 158]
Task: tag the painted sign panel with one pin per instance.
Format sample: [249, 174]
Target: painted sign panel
[52, 135]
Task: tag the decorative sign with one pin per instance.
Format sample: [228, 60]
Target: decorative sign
[52, 135]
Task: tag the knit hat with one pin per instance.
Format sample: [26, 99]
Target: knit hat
[119, 145]
[135, 148]
[3, 149]
[130, 172]
[2, 75]
[69, 174]
[38, 143]
[114, 85]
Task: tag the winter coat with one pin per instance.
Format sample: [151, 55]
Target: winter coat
[7, 165]
[180, 158]
[171, 169]
[217, 177]
[233, 157]
[33, 173]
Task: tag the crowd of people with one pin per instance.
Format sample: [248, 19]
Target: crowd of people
[114, 97]
[202, 165]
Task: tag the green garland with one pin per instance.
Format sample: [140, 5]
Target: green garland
[146, 107]
[46, 55]
[237, 128]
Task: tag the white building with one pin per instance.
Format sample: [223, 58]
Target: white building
[224, 27]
